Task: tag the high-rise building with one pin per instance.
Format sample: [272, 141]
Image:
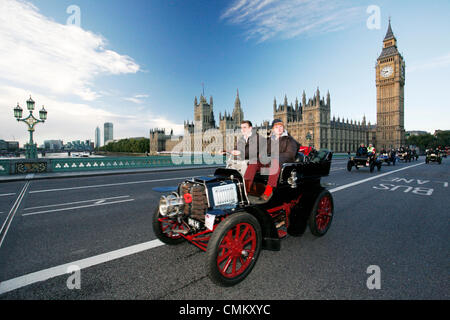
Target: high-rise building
[53, 144]
[108, 132]
[97, 137]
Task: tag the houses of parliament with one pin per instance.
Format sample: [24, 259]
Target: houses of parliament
[309, 120]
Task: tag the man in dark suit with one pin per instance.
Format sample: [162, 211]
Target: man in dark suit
[247, 146]
[362, 150]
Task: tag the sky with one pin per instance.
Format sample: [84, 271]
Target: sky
[140, 63]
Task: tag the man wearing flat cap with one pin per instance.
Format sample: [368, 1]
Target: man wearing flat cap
[281, 148]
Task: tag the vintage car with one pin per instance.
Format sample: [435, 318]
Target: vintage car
[364, 161]
[387, 157]
[404, 156]
[433, 156]
[216, 214]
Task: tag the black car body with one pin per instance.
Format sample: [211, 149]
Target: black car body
[387, 157]
[216, 214]
[404, 156]
[433, 156]
[364, 161]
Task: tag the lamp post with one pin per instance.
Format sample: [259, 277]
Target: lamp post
[308, 137]
[31, 121]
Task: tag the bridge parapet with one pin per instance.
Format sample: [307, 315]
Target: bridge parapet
[25, 166]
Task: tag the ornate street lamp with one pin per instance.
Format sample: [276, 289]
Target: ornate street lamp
[308, 137]
[31, 121]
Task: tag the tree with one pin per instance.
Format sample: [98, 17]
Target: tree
[139, 145]
[426, 141]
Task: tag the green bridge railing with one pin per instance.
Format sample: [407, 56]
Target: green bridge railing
[24, 166]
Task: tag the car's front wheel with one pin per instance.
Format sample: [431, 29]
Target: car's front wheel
[233, 249]
[167, 229]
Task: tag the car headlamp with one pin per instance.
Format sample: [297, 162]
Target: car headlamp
[170, 205]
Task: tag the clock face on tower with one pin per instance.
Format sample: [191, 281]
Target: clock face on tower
[386, 72]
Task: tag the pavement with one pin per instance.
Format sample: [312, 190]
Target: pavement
[395, 221]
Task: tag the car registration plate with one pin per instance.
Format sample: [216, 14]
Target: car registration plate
[194, 223]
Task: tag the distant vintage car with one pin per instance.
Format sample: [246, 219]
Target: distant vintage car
[433, 156]
[364, 161]
[404, 156]
[387, 157]
[216, 214]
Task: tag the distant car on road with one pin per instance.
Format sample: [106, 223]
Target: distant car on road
[364, 161]
[387, 157]
[433, 156]
[404, 156]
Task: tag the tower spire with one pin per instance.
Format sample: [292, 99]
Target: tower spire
[389, 33]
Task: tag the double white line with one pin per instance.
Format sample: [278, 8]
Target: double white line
[95, 203]
[12, 213]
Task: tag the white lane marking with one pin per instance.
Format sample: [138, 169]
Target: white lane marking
[5, 227]
[22, 281]
[78, 207]
[6, 194]
[108, 185]
[371, 178]
[336, 169]
[75, 202]
[25, 280]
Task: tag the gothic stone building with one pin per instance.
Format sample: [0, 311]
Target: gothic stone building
[310, 123]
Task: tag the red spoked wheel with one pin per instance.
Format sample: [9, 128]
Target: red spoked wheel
[321, 214]
[167, 229]
[233, 249]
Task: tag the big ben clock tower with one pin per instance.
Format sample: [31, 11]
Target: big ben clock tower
[390, 81]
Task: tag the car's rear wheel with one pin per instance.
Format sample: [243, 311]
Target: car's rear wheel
[321, 214]
[233, 249]
[349, 166]
[167, 229]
